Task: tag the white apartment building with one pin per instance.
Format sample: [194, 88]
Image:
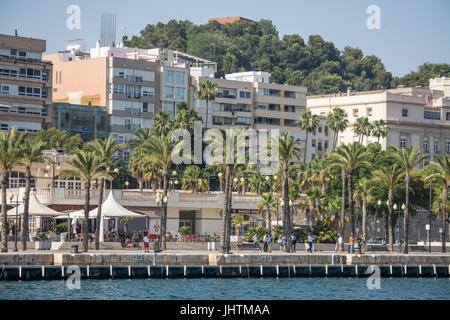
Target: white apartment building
[415, 116]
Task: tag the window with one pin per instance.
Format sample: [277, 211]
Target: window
[404, 112]
[447, 116]
[180, 77]
[425, 144]
[148, 92]
[325, 146]
[274, 107]
[313, 143]
[432, 115]
[242, 120]
[245, 94]
[436, 144]
[128, 123]
[29, 91]
[4, 89]
[168, 106]
[148, 107]
[319, 146]
[271, 92]
[179, 93]
[369, 112]
[289, 108]
[447, 146]
[326, 130]
[168, 75]
[168, 92]
[403, 143]
[319, 129]
[355, 113]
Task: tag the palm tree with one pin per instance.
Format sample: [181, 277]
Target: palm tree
[136, 165]
[268, 203]
[105, 151]
[238, 221]
[337, 122]
[185, 118]
[379, 129]
[193, 178]
[161, 124]
[349, 157]
[87, 166]
[308, 122]
[207, 91]
[314, 196]
[257, 183]
[31, 153]
[289, 150]
[388, 176]
[441, 173]
[363, 193]
[140, 136]
[407, 159]
[158, 151]
[10, 154]
[362, 127]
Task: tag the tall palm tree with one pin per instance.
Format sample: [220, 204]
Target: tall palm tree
[268, 204]
[140, 136]
[441, 173]
[161, 123]
[388, 176]
[379, 129]
[349, 157]
[158, 151]
[308, 122]
[314, 196]
[185, 118]
[257, 183]
[87, 166]
[363, 192]
[136, 165]
[337, 122]
[407, 159]
[193, 178]
[105, 151]
[362, 127]
[32, 152]
[289, 151]
[10, 154]
[207, 91]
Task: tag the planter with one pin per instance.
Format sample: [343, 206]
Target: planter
[43, 245]
[213, 245]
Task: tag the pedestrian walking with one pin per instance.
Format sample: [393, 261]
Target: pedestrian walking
[293, 241]
[265, 240]
[146, 243]
[283, 244]
[359, 240]
[270, 241]
[310, 242]
[255, 241]
[352, 244]
[339, 243]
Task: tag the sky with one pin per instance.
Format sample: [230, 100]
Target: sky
[411, 31]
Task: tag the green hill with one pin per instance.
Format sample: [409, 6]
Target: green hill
[316, 64]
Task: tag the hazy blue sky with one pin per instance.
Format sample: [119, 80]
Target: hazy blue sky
[412, 32]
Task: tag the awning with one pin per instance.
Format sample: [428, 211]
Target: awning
[35, 209]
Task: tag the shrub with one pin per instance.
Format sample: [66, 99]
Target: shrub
[259, 231]
[62, 227]
[184, 230]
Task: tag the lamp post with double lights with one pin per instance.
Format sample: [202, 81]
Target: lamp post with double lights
[173, 181]
[11, 196]
[162, 204]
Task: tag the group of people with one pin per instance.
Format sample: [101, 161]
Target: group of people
[268, 242]
[353, 241]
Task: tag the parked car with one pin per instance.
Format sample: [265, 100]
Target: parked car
[377, 240]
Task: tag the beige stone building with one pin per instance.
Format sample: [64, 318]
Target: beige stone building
[415, 116]
[25, 85]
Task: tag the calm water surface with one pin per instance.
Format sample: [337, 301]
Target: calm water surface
[230, 289]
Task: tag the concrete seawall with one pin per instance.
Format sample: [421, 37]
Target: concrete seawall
[199, 258]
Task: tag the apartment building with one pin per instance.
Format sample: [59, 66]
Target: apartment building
[90, 122]
[320, 142]
[415, 116]
[25, 84]
[249, 100]
[125, 84]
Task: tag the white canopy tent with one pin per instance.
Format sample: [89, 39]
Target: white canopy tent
[36, 209]
[110, 209]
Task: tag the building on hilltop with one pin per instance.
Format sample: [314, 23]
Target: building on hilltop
[230, 19]
[25, 85]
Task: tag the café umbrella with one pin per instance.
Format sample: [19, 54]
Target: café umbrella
[110, 209]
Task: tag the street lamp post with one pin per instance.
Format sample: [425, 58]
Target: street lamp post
[163, 204]
[11, 196]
